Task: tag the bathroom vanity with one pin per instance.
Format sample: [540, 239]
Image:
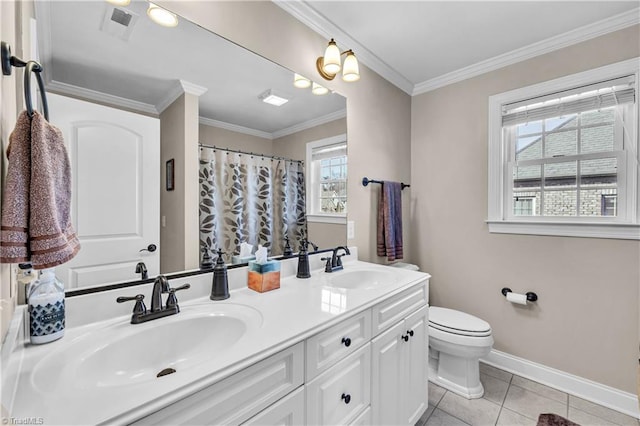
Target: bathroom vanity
[348, 347]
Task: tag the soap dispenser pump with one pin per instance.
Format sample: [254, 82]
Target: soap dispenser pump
[220, 287]
[303, 259]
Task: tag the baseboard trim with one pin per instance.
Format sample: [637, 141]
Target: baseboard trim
[598, 393]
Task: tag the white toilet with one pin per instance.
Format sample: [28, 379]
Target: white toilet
[456, 343]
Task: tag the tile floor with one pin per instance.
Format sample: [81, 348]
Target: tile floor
[512, 400]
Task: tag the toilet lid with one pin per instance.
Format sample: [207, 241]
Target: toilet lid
[452, 321]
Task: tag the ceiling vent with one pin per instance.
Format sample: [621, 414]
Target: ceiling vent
[118, 22]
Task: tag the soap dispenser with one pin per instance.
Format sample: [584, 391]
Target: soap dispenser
[220, 287]
[303, 259]
[206, 262]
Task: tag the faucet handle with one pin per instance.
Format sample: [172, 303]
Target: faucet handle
[327, 266]
[139, 307]
[339, 259]
[172, 301]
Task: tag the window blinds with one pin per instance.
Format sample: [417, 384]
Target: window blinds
[329, 151]
[587, 98]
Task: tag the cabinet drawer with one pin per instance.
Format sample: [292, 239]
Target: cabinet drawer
[342, 392]
[238, 397]
[399, 306]
[363, 419]
[289, 411]
[326, 348]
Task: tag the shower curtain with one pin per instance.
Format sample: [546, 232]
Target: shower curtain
[250, 198]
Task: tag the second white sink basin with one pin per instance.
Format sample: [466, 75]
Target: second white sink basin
[125, 354]
[360, 279]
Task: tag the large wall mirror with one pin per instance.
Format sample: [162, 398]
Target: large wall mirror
[164, 127]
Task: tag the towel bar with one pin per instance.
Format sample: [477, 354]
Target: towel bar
[366, 181]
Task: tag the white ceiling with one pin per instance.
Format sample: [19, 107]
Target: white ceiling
[84, 55]
[419, 45]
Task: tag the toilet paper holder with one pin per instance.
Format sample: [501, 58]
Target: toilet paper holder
[531, 296]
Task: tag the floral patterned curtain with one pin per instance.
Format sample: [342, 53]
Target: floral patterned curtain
[252, 199]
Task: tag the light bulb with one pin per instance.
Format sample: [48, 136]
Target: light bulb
[350, 71]
[331, 60]
[162, 16]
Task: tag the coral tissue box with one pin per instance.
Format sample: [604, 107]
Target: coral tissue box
[264, 276]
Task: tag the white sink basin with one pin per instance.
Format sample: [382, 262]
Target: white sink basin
[360, 279]
[124, 354]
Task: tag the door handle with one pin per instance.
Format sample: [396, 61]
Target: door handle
[150, 248]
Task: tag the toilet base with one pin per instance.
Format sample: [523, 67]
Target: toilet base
[465, 382]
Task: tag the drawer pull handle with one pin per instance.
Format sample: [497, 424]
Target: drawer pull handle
[347, 342]
[405, 338]
[346, 398]
[410, 333]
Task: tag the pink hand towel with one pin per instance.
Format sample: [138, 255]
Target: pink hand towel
[36, 222]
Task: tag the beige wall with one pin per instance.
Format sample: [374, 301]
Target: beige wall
[223, 138]
[324, 235]
[178, 140]
[378, 113]
[586, 320]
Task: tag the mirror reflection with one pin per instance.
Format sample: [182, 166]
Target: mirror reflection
[174, 147]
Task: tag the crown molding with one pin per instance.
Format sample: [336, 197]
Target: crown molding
[235, 128]
[310, 123]
[181, 86]
[321, 25]
[93, 95]
[596, 29]
[304, 13]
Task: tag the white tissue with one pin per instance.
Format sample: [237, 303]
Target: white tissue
[518, 298]
[245, 249]
[261, 254]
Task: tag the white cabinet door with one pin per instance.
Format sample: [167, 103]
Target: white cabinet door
[115, 206]
[416, 361]
[387, 371]
[399, 368]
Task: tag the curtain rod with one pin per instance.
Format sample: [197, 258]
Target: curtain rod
[273, 157]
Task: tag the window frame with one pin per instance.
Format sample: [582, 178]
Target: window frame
[312, 191]
[501, 220]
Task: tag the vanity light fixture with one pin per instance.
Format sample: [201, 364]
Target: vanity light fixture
[316, 89]
[329, 65]
[162, 16]
[121, 3]
[271, 98]
[301, 82]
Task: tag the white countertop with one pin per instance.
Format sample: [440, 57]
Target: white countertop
[297, 310]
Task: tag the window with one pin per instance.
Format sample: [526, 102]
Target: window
[327, 180]
[563, 156]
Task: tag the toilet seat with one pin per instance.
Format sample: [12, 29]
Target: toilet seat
[456, 322]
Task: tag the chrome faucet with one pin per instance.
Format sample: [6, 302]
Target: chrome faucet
[160, 285]
[334, 263]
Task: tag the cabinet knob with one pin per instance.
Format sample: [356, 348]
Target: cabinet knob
[410, 333]
[405, 337]
[347, 342]
[346, 398]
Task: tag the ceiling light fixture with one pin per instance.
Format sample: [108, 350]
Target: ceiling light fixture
[120, 2]
[162, 16]
[316, 89]
[329, 65]
[270, 98]
[300, 81]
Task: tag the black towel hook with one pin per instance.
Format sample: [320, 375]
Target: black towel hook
[9, 61]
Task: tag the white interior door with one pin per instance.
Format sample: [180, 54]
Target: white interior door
[115, 207]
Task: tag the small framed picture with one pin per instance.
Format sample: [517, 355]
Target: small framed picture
[170, 175]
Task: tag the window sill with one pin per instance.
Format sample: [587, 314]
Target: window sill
[326, 218]
[585, 230]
